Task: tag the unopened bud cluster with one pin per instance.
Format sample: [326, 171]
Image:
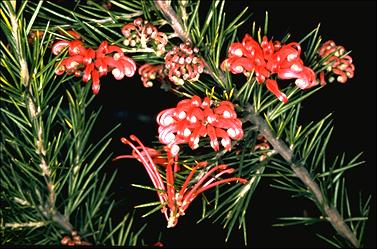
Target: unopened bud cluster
[142, 34]
[182, 63]
[149, 72]
[339, 63]
[73, 240]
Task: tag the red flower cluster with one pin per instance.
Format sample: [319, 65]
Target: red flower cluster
[183, 64]
[149, 72]
[192, 119]
[91, 64]
[339, 64]
[140, 33]
[267, 59]
[177, 200]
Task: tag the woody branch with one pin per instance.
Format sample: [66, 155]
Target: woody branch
[301, 172]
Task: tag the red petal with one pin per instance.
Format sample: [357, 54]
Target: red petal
[165, 117]
[88, 58]
[195, 115]
[286, 74]
[238, 65]
[60, 70]
[76, 47]
[114, 48]
[237, 49]
[306, 79]
[225, 141]
[251, 45]
[102, 50]
[212, 135]
[95, 76]
[118, 73]
[196, 101]
[87, 72]
[273, 87]
[129, 66]
[322, 78]
[73, 33]
[224, 65]
[225, 111]
[58, 46]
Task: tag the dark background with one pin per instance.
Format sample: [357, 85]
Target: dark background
[351, 24]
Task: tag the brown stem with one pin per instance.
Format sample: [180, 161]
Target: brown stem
[302, 173]
[173, 20]
[62, 221]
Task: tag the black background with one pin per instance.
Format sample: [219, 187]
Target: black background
[351, 24]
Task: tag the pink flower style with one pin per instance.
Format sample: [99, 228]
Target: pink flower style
[176, 201]
[93, 64]
[141, 33]
[182, 64]
[339, 64]
[194, 118]
[268, 59]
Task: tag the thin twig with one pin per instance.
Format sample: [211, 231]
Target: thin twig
[302, 173]
[34, 112]
[173, 20]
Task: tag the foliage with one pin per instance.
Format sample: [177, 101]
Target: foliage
[53, 175]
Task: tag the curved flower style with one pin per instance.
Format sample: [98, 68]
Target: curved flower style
[140, 33]
[92, 65]
[183, 64]
[194, 118]
[177, 200]
[339, 63]
[149, 72]
[268, 59]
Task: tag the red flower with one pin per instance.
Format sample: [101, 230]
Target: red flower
[192, 119]
[267, 59]
[272, 86]
[92, 65]
[183, 64]
[339, 63]
[177, 201]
